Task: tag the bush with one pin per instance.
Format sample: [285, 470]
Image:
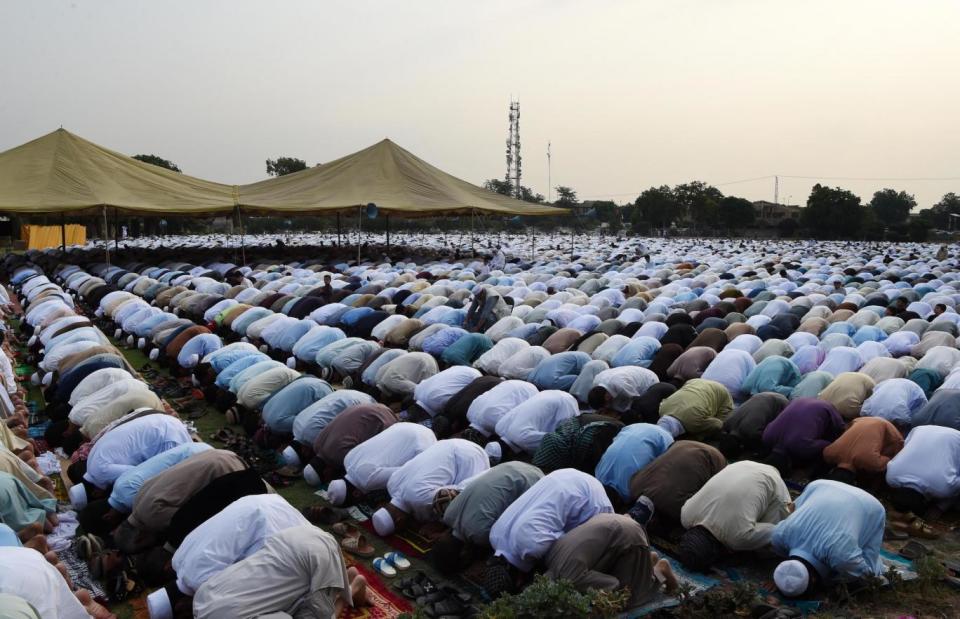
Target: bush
[556, 598]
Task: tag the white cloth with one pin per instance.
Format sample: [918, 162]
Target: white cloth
[559, 502]
[490, 361]
[447, 464]
[230, 536]
[432, 394]
[370, 464]
[523, 427]
[24, 572]
[128, 445]
[96, 381]
[928, 463]
[624, 384]
[486, 410]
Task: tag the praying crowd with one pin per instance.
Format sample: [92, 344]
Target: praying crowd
[792, 398]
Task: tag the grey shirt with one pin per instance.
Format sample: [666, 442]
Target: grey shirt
[472, 513]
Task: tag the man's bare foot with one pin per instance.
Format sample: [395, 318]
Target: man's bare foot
[664, 574]
[30, 531]
[358, 591]
[93, 608]
[38, 543]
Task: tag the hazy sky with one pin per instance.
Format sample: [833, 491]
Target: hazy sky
[631, 93]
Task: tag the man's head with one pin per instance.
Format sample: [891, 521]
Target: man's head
[730, 445]
[598, 398]
[450, 554]
[642, 511]
[842, 475]
[99, 518]
[388, 519]
[699, 549]
[792, 577]
[939, 308]
[901, 304]
[781, 462]
[908, 500]
[442, 500]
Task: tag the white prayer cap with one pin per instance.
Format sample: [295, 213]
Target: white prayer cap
[310, 476]
[142, 343]
[194, 381]
[193, 360]
[35, 378]
[98, 313]
[131, 340]
[791, 577]
[32, 340]
[154, 354]
[383, 522]
[117, 333]
[78, 496]
[336, 491]
[47, 379]
[494, 450]
[264, 348]
[158, 605]
[290, 456]
[292, 363]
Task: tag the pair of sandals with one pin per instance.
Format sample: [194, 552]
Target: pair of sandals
[88, 546]
[444, 601]
[391, 563]
[354, 540]
[915, 527]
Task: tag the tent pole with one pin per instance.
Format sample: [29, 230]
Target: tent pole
[116, 231]
[243, 240]
[338, 229]
[106, 236]
[359, 230]
[63, 232]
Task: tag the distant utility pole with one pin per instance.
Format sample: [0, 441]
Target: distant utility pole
[549, 181]
[776, 190]
[513, 149]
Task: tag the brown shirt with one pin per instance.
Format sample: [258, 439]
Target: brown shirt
[677, 475]
[867, 446]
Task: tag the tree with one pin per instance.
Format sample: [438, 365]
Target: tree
[566, 197]
[699, 202]
[736, 213]
[506, 188]
[658, 206]
[892, 207]
[157, 161]
[832, 212]
[281, 166]
[939, 215]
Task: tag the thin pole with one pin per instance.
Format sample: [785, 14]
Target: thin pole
[549, 178]
[63, 232]
[359, 230]
[106, 236]
[243, 240]
[116, 230]
[338, 229]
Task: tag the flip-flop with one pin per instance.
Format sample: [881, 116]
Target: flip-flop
[324, 514]
[358, 546]
[917, 528]
[384, 567]
[345, 529]
[397, 560]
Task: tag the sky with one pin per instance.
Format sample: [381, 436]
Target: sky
[630, 93]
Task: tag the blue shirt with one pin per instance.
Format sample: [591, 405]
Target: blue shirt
[558, 371]
[200, 345]
[309, 345]
[837, 528]
[634, 447]
[283, 406]
[225, 377]
[129, 483]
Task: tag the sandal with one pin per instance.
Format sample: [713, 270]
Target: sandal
[345, 529]
[397, 560]
[324, 514]
[913, 550]
[917, 528]
[384, 567]
[358, 546]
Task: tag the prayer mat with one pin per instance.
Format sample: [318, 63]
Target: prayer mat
[408, 541]
[138, 606]
[80, 574]
[384, 603]
[697, 583]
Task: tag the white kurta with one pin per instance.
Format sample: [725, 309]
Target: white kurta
[24, 572]
[446, 464]
[488, 408]
[96, 401]
[433, 393]
[129, 444]
[95, 381]
[553, 506]
[370, 464]
[232, 535]
[625, 383]
[523, 427]
[928, 463]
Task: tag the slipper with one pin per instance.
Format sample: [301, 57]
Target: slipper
[889, 533]
[324, 514]
[345, 529]
[84, 548]
[383, 566]
[917, 528]
[358, 546]
[913, 550]
[397, 560]
[413, 591]
[446, 606]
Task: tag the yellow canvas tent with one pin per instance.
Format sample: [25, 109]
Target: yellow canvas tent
[386, 175]
[42, 237]
[62, 172]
